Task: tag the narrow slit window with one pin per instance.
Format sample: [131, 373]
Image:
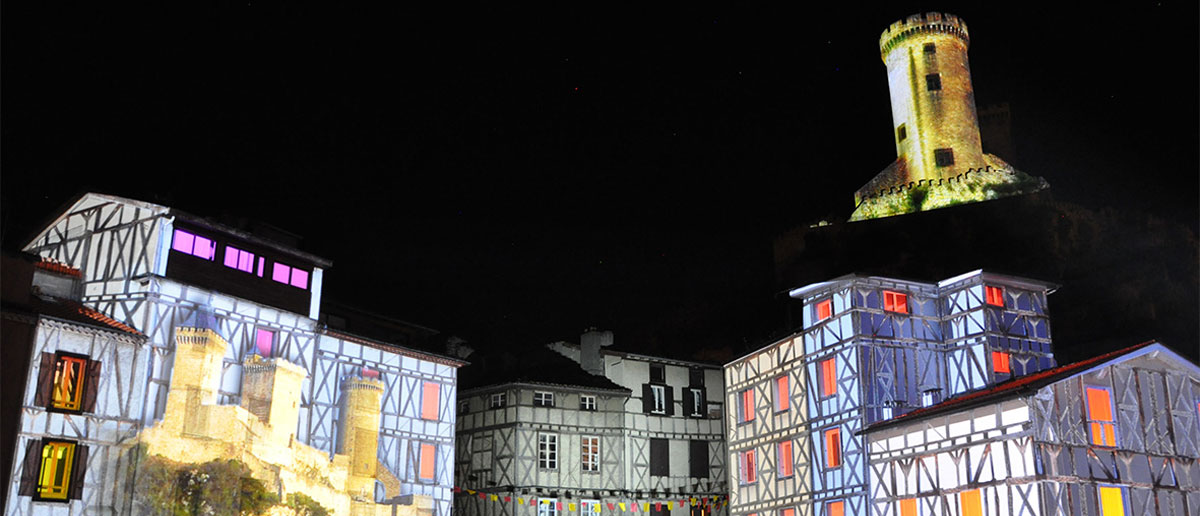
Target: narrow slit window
[833, 447]
[747, 405]
[785, 459]
[933, 82]
[930, 48]
[828, 378]
[782, 395]
[1101, 424]
[901, 133]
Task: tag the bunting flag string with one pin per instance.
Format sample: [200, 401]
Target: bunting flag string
[712, 502]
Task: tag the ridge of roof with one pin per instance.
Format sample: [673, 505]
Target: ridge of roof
[1005, 389]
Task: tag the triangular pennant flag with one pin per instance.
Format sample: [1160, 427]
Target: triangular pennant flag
[520, 501]
[670, 505]
[596, 507]
[571, 507]
[658, 506]
[610, 506]
[495, 498]
[646, 507]
[457, 489]
[482, 496]
[470, 491]
[621, 505]
[507, 499]
[558, 506]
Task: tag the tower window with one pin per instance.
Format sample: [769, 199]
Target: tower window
[933, 82]
[930, 48]
[901, 133]
[943, 157]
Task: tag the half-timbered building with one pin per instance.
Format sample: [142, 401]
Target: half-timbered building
[588, 425]
[870, 348]
[1114, 435]
[163, 271]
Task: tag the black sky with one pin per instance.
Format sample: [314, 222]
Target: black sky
[518, 175]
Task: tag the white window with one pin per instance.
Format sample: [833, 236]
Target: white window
[590, 453]
[547, 507]
[589, 507]
[543, 399]
[548, 451]
[587, 402]
[660, 399]
[498, 400]
[697, 402]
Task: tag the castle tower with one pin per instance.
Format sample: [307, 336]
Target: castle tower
[933, 104]
[358, 431]
[271, 391]
[194, 379]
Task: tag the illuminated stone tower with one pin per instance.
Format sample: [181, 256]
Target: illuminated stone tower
[271, 391]
[933, 103]
[194, 379]
[358, 428]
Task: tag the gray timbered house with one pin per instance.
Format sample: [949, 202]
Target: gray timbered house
[654, 425]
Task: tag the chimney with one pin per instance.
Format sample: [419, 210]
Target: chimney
[589, 350]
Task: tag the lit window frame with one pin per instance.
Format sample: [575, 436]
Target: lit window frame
[290, 275]
[831, 439]
[993, 295]
[498, 400]
[73, 404]
[1001, 362]
[746, 406]
[547, 451]
[429, 413]
[835, 508]
[697, 402]
[543, 399]
[587, 402]
[55, 489]
[975, 498]
[242, 259]
[782, 390]
[427, 451]
[659, 399]
[185, 242]
[823, 310]
[895, 302]
[1122, 493]
[589, 449]
[1107, 428]
[746, 466]
[908, 507]
[827, 378]
[785, 458]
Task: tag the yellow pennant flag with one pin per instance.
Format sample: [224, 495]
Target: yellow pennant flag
[646, 507]
[596, 507]
[470, 492]
[669, 505]
[622, 504]
[571, 507]
[520, 501]
[495, 498]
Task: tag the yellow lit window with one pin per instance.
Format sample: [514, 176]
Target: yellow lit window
[68, 383]
[1112, 501]
[54, 478]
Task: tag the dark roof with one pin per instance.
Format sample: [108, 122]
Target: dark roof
[542, 366]
[1009, 389]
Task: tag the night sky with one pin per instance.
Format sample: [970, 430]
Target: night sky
[515, 176]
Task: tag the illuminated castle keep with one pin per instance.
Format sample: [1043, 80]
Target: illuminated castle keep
[940, 160]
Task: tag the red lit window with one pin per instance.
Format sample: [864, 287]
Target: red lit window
[747, 467]
[908, 507]
[833, 447]
[972, 504]
[1101, 424]
[835, 508]
[430, 400]
[747, 405]
[824, 310]
[788, 512]
[428, 460]
[238, 259]
[828, 370]
[994, 295]
[1000, 362]
[67, 382]
[785, 458]
[895, 302]
[781, 393]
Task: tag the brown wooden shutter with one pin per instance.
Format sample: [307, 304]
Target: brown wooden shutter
[91, 386]
[45, 385]
[78, 471]
[670, 396]
[31, 467]
[647, 398]
[660, 457]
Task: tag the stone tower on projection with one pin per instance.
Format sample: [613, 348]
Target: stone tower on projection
[939, 155]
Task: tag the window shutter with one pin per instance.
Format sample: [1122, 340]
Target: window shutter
[91, 386]
[45, 385]
[670, 398]
[29, 468]
[698, 459]
[660, 457]
[78, 471]
[647, 398]
[703, 403]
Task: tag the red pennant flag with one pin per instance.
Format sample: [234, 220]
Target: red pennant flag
[558, 506]
[507, 499]
[610, 507]
[482, 496]
[457, 489]
[658, 506]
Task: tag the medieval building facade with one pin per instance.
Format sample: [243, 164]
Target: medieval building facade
[620, 430]
[245, 309]
[871, 348]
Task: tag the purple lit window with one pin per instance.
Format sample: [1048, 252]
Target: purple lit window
[239, 259]
[264, 340]
[194, 245]
[289, 275]
[261, 266]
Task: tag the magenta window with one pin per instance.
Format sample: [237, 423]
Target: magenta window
[289, 275]
[261, 266]
[239, 259]
[194, 245]
[264, 340]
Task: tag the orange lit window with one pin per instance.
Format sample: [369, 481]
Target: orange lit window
[785, 458]
[971, 503]
[430, 400]
[908, 507]
[1112, 501]
[747, 405]
[68, 383]
[824, 310]
[835, 508]
[1100, 417]
[828, 370]
[747, 467]
[994, 295]
[833, 448]
[781, 393]
[895, 302]
[428, 461]
[788, 512]
[1000, 362]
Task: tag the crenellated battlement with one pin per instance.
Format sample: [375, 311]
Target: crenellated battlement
[917, 24]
